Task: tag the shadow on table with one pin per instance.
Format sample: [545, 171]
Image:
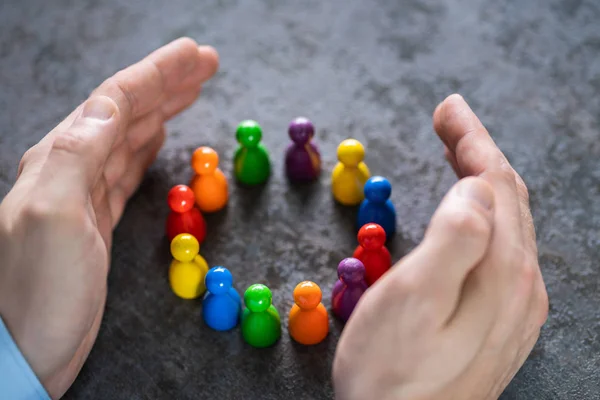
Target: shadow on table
[313, 361]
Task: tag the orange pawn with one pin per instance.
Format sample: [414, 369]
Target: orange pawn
[308, 320]
[209, 184]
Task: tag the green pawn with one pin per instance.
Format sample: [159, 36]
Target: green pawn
[261, 325]
[251, 161]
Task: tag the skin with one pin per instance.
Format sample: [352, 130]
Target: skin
[458, 316]
[55, 259]
[455, 319]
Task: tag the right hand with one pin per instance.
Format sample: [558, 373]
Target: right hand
[458, 316]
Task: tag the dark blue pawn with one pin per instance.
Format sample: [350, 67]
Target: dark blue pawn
[222, 305]
[377, 206]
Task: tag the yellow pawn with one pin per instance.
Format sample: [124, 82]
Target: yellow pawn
[350, 174]
[188, 269]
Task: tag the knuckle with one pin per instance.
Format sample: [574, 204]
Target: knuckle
[466, 223]
[70, 141]
[188, 42]
[407, 283]
[37, 211]
[403, 285]
[42, 211]
[527, 274]
[119, 86]
[522, 188]
[506, 173]
[27, 157]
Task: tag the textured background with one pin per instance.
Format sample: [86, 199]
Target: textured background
[373, 70]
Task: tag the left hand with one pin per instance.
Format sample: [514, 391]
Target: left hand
[56, 223]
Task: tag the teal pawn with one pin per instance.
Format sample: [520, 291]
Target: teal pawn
[251, 161]
[261, 325]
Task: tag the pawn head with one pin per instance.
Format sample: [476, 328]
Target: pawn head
[184, 247]
[351, 270]
[371, 236]
[307, 295]
[205, 160]
[248, 133]
[181, 198]
[218, 280]
[258, 298]
[301, 130]
[351, 152]
[378, 189]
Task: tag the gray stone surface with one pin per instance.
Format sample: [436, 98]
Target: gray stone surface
[373, 70]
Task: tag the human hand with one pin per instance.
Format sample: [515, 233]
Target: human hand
[56, 223]
[458, 316]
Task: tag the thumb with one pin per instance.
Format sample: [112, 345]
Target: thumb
[455, 242]
[77, 156]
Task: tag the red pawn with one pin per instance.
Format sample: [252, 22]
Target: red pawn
[372, 252]
[184, 217]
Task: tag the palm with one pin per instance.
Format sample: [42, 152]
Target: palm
[71, 194]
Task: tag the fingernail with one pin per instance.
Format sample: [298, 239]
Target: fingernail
[99, 107]
[478, 190]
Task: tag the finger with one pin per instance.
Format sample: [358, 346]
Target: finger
[35, 157]
[139, 88]
[116, 164]
[179, 103]
[145, 128]
[77, 156]
[120, 194]
[456, 241]
[143, 131]
[465, 136]
[452, 161]
[477, 154]
[492, 286]
[207, 69]
[180, 65]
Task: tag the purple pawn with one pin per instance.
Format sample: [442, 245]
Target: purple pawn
[349, 287]
[302, 158]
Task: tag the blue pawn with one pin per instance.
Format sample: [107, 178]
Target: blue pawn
[222, 305]
[377, 206]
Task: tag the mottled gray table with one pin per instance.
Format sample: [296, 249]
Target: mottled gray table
[373, 70]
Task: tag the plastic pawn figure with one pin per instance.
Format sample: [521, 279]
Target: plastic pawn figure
[349, 288]
[302, 158]
[251, 161]
[308, 321]
[188, 269]
[209, 184]
[377, 206]
[350, 173]
[261, 324]
[371, 251]
[184, 216]
[222, 305]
